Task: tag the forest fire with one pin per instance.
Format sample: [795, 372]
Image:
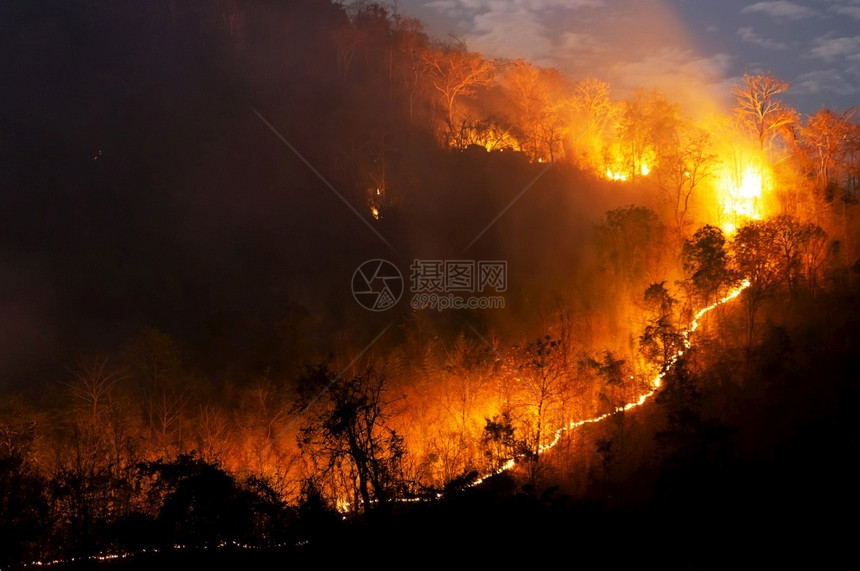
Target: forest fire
[186, 365]
[656, 383]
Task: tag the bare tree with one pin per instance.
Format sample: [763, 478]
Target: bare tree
[536, 97]
[827, 138]
[759, 109]
[456, 72]
[93, 386]
[411, 42]
[679, 173]
[589, 113]
[212, 431]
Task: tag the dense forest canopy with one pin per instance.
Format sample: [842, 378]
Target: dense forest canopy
[188, 188]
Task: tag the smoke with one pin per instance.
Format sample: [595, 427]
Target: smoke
[628, 43]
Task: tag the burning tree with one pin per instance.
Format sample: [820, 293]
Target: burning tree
[760, 112]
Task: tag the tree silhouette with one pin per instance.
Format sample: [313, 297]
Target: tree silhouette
[757, 258]
[706, 263]
[499, 440]
[348, 432]
[660, 340]
[198, 503]
[683, 168]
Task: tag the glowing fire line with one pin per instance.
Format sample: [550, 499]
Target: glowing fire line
[643, 398]
[346, 507]
[154, 550]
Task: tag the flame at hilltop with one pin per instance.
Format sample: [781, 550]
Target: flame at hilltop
[736, 182]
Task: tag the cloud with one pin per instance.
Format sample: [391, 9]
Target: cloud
[852, 12]
[824, 81]
[510, 31]
[750, 36]
[828, 48]
[812, 40]
[781, 9]
[526, 29]
[676, 62]
[444, 6]
[571, 45]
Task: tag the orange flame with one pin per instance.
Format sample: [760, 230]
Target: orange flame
[740, 195]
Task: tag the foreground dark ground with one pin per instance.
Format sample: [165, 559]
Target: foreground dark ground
[750, 529]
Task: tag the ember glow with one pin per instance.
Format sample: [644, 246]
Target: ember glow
[616, 175]
[619, 173]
